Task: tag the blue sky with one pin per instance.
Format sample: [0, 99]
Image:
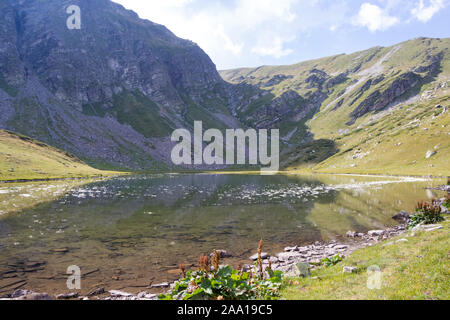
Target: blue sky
[250, 33]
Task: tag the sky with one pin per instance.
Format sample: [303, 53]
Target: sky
[251, 33]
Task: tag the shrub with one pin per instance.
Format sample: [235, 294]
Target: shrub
[427, 213]
[214, 282]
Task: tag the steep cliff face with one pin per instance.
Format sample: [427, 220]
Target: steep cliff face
[110, 92]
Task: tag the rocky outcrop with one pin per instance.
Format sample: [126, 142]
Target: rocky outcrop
[378, 100]
[277, 79]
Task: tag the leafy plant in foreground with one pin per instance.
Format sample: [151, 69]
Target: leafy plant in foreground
[446, 203]
[214, 282]
[427, 213]
[331, 261]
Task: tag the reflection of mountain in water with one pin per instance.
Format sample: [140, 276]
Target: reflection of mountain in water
[152, 223]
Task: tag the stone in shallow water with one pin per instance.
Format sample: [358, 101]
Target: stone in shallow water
[160, 285]
[118, 293]
[264, 255]
[222, 254]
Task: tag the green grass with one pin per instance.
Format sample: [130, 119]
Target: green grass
[392, 145]
[22, 158]
[417, 269]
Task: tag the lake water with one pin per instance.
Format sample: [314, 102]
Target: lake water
[130, 231]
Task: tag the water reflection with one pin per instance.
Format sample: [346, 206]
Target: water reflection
[135, 229]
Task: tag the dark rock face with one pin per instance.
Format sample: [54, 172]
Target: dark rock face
[111, 92]
[277, 79]
[377, 101]
[114, 51]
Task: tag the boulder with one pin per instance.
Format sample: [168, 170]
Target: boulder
[286, 256]
[402, 216]
[375, 233]
[264, 255]
[351, 234]
[429, 154]
[222, 254]
[35, 296]
[296, 270]
[66, 296]
[160, 285]
[349, 269]
[97, 292]
[117, 293]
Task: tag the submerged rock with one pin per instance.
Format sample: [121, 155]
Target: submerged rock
[160, 285]
[264, 255]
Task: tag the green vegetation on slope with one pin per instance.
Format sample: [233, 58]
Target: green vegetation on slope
[375, 109]
[416, 269]
[397, 143]
[22, 158]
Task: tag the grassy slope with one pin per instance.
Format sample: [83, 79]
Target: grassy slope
[396, 144]
[22, 158]
[393, 145]
[417, 269]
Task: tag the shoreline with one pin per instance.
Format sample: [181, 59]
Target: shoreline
[112, 175]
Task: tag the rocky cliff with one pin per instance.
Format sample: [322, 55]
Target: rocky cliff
[110, 92]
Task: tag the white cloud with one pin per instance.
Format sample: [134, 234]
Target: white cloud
[234, 48]
[425, 13]
[222, 28]
[274, 48]
[374, 18]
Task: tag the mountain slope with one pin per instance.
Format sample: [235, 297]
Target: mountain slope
[370, 112]
[22, 158]
[112, 92]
